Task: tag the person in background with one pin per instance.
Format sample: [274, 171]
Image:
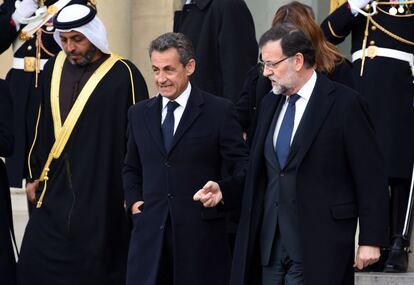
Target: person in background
[382, 50]
[7, 258]
[224, 40]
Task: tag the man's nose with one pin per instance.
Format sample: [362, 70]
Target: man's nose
[70, 46]
[161, 78]
[267, 72]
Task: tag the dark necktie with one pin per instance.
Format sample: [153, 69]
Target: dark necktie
[168, 125]
[285, 131]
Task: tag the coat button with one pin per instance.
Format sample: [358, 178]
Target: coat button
[282, 174]
[161, 227]
[171, 196]
[167, 164]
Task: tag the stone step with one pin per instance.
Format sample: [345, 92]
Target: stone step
[376, 278]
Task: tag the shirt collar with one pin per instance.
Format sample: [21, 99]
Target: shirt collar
[182, 99]
[306, 91]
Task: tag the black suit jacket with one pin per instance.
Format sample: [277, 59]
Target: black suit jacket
[208, 139]
[339, 176]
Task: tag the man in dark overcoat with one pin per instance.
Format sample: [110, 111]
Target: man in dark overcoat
[7, 259]
[383, 58]
[314, 169]
[223, 36]
[179, 142]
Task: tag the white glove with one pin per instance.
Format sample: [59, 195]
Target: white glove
[24, 9]
[357, 5]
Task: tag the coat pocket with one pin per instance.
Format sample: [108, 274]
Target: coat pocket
[344, 211]
[211, 213]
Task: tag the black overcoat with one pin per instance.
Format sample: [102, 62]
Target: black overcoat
[386, 83]
[7, 260]
[223, 35]
[339, 177]
[208, 139]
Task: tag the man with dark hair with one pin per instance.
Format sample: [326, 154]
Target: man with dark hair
[315, 168]
[179, 141]
[79, 232]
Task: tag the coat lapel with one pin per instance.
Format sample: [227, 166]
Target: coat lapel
[268, 108]
[316, 111]
[192, 111]
[269, 151]
[153, 121]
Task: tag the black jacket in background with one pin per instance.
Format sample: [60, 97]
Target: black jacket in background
[7, 260]
[223, 35]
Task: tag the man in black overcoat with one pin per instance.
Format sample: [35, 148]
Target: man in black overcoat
[314, 169]
[383, 59]
[179, 142]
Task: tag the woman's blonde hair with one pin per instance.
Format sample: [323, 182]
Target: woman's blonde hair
[301, 15]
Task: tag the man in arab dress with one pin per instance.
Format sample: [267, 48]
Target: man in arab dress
[78, 233]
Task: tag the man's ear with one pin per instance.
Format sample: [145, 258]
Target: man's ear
[190, 67]
[299, 61]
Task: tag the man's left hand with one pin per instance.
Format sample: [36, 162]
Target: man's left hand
[210, 195]
[366, 255]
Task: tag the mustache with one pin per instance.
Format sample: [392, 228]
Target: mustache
[74, 53]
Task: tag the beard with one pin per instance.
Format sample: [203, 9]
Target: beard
[283, 87]
[86, 58]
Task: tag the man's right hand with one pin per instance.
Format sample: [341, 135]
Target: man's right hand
[135, 207]
[31, 188]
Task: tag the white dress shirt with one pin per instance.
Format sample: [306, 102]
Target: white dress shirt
[182, 100]
[305, 93]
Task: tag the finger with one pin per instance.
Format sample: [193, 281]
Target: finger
[359, 264]
[205, 198]
[198, 195]
[209, 203]
[207, 186]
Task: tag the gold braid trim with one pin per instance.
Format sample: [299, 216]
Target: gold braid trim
[33, 143]
[63, 133]
[333, 32]
[392, 35]
[132, 81]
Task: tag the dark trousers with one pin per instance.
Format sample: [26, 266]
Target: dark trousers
[166, 270]
[282, 270]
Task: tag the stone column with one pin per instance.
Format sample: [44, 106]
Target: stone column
[149, 20]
